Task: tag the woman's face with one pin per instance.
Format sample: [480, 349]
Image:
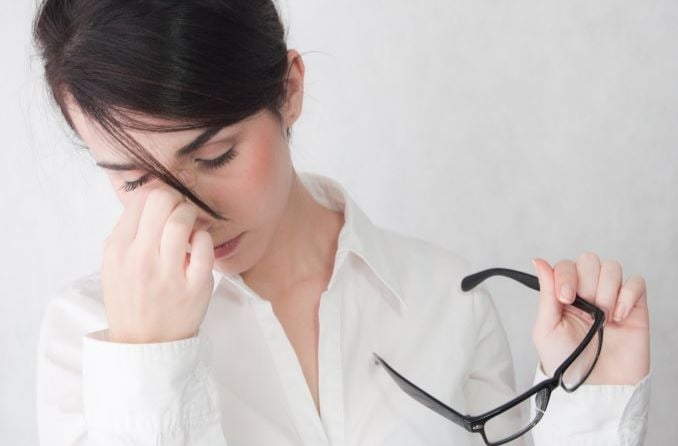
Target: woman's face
[251, 188]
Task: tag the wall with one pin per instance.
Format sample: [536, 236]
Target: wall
[503, 131]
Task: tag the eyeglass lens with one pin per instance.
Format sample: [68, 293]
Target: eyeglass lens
[518, 419]
[578, 371]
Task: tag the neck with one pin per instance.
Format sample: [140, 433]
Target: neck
[303, 246]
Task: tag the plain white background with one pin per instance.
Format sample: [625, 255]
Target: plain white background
[503, 131]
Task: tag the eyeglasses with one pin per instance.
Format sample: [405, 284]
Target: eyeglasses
[514, 418]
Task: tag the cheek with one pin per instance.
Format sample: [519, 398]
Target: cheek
[267, 179]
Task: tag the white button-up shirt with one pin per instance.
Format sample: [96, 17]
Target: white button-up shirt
[239, 382]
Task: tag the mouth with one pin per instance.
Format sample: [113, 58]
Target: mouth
[227, 247]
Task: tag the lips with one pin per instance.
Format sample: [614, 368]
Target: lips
[228, 241]
[227, 247]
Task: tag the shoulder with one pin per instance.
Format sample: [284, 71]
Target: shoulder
[438, 314]
[419, 258]
[425, 273]
[423, 255]
[82, 293]
[73, 310]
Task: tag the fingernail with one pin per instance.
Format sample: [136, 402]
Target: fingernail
[534, 263]
[620, 312]
[566, 294]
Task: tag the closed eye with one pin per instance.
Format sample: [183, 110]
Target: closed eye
[129, 186]
[220, 161]
[212, 164]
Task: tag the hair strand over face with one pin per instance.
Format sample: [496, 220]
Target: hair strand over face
[196, 64]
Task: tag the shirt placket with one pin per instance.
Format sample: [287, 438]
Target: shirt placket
[299, 398]
[302, 408]
[330, 369]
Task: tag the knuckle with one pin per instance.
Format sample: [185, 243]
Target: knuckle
[565, 269]
[188, 208]
[588, 257]
[637, 282]
[563, 263]
[143, 269]
[164, 195]
[184, 213]
[611, 268]
[625, 292]
[156, 194]
[174, 225]
[140, 258]
[110, 247]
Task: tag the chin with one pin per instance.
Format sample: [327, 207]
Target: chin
[226, 267]
[231, 266]
[247, 256]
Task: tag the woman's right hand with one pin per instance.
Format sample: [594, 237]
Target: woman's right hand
[153, 290]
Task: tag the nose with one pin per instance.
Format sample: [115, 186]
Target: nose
[203, 219]
[201, 223]
[186, 176]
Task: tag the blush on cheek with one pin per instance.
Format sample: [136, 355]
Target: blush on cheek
[268, 174]
[261, 168]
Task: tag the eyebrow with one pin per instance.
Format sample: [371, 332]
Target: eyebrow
[186, 150]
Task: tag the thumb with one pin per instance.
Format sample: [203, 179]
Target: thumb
[550, 309]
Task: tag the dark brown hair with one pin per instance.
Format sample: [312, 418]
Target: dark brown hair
[198, 63]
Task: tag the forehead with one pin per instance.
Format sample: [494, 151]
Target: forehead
[103, 145]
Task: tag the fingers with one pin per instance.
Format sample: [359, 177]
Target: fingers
[599, 283]
[566, 281]
[549, 310]
[634, 292]
[609, 283]
[175, 237]
[125, 229]
[588, 270]
[160, 203]
[201, 260]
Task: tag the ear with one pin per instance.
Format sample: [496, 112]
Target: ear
[295, 88]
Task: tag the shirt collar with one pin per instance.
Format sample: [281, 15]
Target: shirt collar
[358, 236]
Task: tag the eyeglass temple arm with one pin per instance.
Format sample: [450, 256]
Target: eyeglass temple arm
[423, 397]
[471, 281]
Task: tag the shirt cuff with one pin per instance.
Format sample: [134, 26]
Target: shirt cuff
[595, 415]
[148, 391]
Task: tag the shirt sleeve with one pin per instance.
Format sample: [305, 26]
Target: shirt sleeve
[92, 392]
[147, 394]
[60, 418]
[595, 415]
[490, 378]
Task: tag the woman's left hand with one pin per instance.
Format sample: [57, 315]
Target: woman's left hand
[625, 354]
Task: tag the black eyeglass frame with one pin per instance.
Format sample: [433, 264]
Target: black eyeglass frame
[476, 423]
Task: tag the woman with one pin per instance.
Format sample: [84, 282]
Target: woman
[239, 302]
